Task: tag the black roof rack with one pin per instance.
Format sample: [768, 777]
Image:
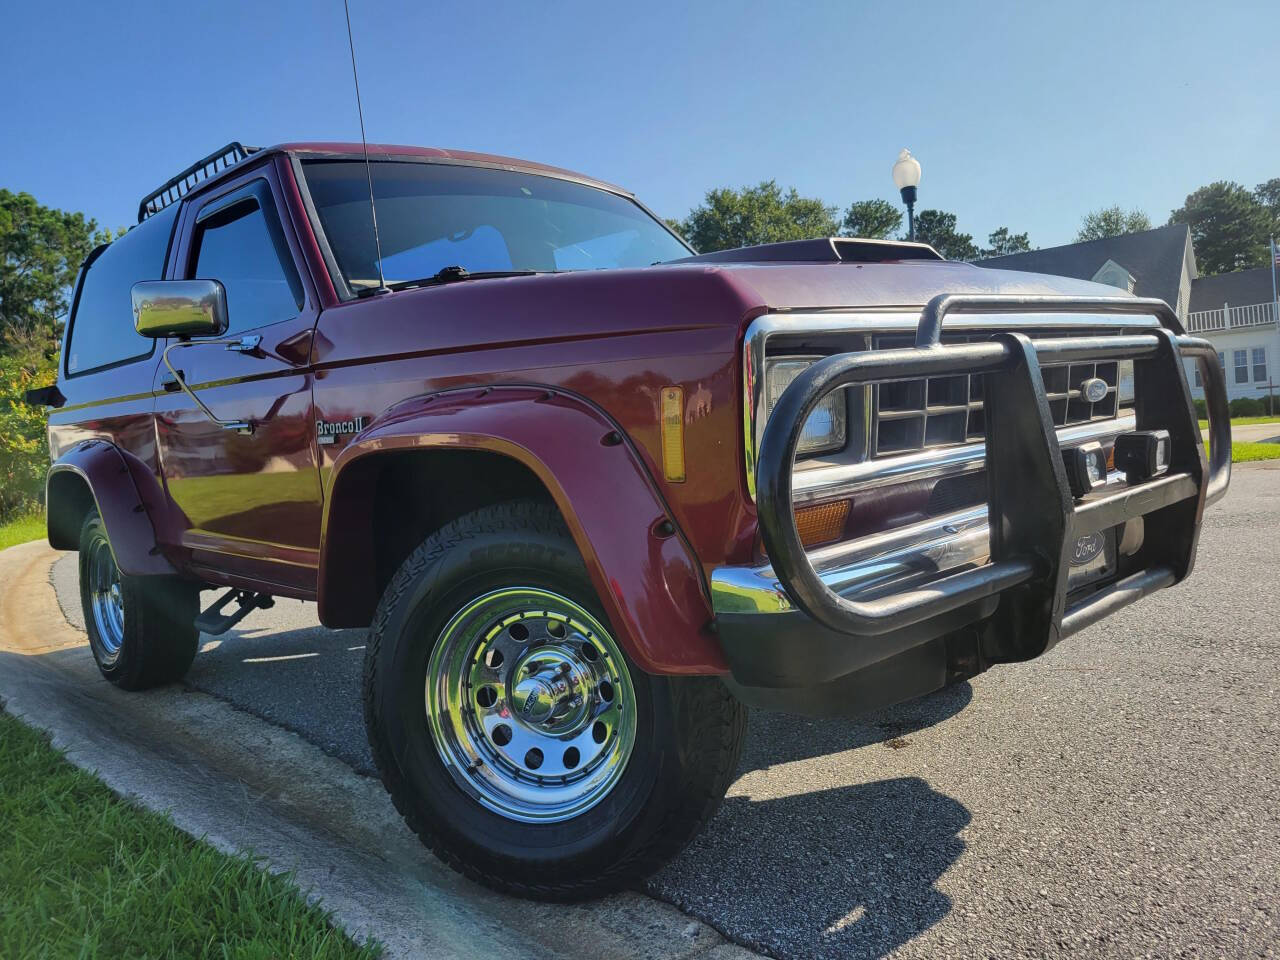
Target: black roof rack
[176, 188]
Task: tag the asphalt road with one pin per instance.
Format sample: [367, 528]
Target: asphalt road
[1256, 432]
[1118, 797]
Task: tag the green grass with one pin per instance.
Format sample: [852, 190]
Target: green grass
[21, 529]
[84, 873]
[1243, 421]
[1244, 452]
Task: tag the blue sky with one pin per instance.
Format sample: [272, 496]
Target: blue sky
[1022, 114]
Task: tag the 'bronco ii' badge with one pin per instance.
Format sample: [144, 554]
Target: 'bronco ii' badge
[327, 432]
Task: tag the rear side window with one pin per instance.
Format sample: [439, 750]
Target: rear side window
[236, 246]
[101, 330]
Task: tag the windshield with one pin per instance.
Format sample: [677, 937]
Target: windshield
[433, 215]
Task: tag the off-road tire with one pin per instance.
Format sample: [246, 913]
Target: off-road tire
[688, 738]
[158, 639]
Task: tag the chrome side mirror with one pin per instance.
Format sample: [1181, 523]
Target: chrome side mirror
[179, 308]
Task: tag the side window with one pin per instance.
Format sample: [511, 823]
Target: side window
[240, 244]
[100, 332]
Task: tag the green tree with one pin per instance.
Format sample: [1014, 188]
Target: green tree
[1111, 222]
[938, 229]
[24, 448]
[873, 219]
[40, 251]
[1003, 243]
[1229, 227]
[1268, 195]
[765, 213]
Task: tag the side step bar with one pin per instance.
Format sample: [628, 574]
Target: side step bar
[215, 623]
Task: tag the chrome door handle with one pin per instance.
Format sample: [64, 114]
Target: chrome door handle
[177, 379]
[246, 344]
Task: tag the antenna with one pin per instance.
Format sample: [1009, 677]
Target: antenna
[368, 170]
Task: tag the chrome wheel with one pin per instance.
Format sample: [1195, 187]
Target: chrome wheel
[106, 602]
[530, 704]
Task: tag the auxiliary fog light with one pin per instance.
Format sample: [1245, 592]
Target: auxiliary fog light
[1086, 467]
[1143, 454]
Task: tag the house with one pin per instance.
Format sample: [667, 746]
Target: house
[1154, 263]
[1235, 311]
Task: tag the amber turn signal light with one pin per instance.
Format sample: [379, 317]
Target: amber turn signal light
[673, 434]
[823, 522]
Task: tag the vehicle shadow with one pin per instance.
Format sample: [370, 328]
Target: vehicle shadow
[775, 738]
[842, 872]
[306, 680]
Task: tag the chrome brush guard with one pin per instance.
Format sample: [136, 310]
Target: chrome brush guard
[1020, 593]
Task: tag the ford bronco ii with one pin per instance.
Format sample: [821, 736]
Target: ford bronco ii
[591, 493]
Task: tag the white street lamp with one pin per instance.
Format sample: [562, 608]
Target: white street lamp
[906, 177]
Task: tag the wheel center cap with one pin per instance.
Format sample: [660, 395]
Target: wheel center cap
[551, 690]
[533, 699]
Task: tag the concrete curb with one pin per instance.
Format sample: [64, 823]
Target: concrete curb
[245, 785]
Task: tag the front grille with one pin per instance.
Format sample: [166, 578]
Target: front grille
[910, 415]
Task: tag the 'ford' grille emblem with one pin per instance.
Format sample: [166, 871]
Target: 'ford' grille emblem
[1086, 548]
[1094, 389]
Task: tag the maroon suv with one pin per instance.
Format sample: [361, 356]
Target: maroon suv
[589, 492]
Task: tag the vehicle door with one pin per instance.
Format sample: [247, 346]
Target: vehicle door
[248, 485]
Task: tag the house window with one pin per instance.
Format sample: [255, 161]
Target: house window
[1199, 382]
[1240, 360]
[1259, 364]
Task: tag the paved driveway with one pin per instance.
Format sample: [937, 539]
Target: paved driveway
[1256, 432]
[1118, 797]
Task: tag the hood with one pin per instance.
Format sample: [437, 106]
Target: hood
[605, 303]
[806, 286]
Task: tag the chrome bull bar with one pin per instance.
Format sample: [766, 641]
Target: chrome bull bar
[1034, 520]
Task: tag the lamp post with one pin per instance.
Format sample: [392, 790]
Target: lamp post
[906, 177]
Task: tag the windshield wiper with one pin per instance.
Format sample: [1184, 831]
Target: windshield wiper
[454, 274]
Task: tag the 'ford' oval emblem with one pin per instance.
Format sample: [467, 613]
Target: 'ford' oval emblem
[1087, 548]
[1094, 389]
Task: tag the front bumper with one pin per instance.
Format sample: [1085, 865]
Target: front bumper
[907, 610]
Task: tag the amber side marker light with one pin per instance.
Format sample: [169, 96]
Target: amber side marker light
[673, 434]
[823, 522]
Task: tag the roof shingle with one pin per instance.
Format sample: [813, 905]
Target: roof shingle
[1152, 257]
[1239, 289]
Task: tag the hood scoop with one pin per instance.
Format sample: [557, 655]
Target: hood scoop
[821, 250]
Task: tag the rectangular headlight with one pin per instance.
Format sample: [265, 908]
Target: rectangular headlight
[825, 429]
